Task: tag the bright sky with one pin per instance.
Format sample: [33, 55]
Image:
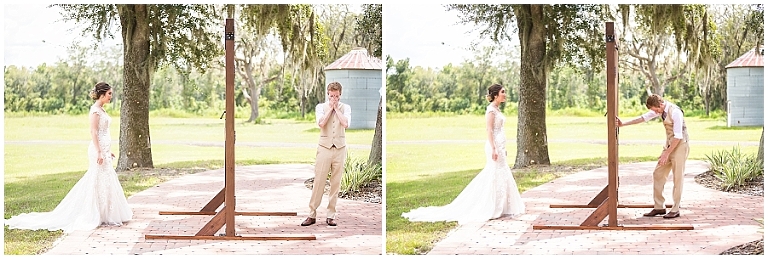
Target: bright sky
[34, 34]
[428, 34]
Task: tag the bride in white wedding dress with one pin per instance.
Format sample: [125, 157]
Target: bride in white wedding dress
[493, 192]
[97, 198]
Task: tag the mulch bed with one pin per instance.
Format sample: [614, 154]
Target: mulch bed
[754, 188]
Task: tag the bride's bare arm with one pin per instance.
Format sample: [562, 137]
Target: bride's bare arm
[95, 134]
[490, 117]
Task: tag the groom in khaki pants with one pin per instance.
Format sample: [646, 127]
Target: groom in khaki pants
[672, 158]
[333, 119]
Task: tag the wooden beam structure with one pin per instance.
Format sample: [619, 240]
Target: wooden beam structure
[606, 202]
[620, 227]
[226, 216]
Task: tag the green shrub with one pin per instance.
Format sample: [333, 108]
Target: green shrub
[734, 168]
[358, 173]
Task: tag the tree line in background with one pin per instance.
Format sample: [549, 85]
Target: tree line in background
[678, 51]
[62, 87]
[461, 88]
[172, 57]
[173, 61]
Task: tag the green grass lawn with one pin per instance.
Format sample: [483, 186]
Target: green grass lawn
[46, 155]
[429, 160]
[51, 144]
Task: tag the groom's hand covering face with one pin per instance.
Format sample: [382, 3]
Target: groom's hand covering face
[334, 97]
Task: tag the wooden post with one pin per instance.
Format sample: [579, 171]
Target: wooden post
[229, 141]
[612, 79]
[607, 201]
[226, 217]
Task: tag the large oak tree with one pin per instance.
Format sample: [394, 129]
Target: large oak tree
[152, 36]
[660, 35]
[300, 36]
[548, 34]
[184, 36]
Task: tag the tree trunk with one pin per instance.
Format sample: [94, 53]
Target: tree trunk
[253, 99]
[706, 103]
[375, 155]
[255, 92]
[760, 154]
[707, 90]
[658, 88]
[74, 92]
[135, 145]
[532, 145]
[648, 55]
[302, 103]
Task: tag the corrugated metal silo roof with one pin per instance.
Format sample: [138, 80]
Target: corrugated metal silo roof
[749, 59]
[357, 58]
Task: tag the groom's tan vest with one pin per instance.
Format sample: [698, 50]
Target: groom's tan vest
[333, 133]
[668, 126]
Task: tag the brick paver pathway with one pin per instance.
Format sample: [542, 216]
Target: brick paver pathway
[262, 188]
[721, 220]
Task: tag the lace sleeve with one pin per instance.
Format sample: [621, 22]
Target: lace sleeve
[95, 110]
[488, 109]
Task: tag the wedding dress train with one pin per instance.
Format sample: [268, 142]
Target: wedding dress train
[491, 194]
[96, 199]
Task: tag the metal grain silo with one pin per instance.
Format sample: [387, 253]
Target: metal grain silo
[745, 84]
[360, 78]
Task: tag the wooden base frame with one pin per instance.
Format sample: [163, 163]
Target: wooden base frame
[262, 238]
[623, 227]
[226, 216]
[600, 203]
[208, 232]
[606, 202]
[599, 199]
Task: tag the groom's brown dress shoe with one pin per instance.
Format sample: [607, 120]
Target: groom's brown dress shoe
[330, 222]
[672, 214]
[307, 222]
[655, 212]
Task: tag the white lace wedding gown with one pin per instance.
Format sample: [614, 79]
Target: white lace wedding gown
[491, 194]
[96, 199]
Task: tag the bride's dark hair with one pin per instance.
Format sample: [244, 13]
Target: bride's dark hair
[493, 91]
[100, 89]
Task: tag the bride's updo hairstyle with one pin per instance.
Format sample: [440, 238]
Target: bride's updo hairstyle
[100, 89]
[493, 91]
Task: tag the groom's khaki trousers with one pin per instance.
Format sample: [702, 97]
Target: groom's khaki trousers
[327, 160]
[676, 164]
